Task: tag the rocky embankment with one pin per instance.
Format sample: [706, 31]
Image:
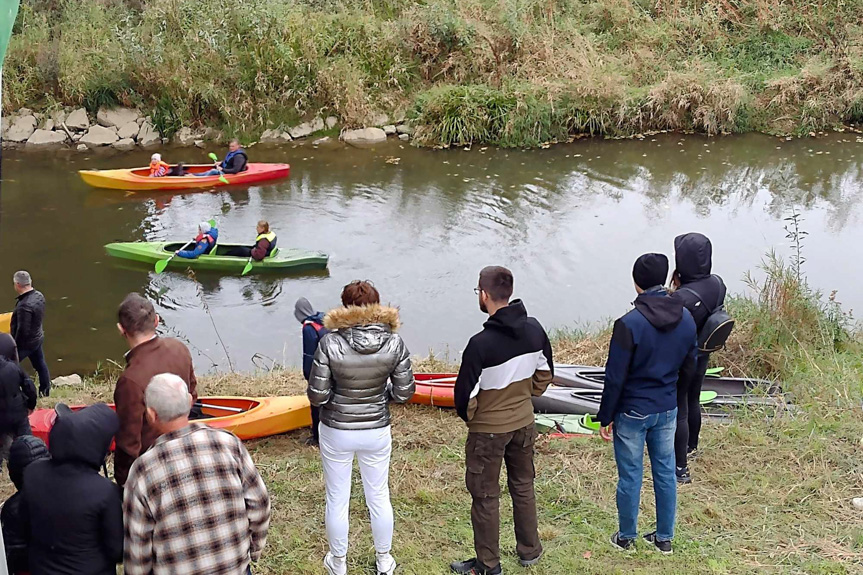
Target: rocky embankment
[127, 129]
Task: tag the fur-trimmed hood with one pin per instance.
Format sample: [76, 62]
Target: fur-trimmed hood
[365, 328]
[358, 316]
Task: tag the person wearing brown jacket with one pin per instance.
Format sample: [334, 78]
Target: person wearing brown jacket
[148, 355]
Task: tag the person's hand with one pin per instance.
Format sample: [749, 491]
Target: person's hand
[605, 432]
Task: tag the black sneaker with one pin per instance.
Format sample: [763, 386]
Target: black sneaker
[683, 475]
[622, 543]
[473, 567]
[663, 547]
[530, 562]
[692, 453]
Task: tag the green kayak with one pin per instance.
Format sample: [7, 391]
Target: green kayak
[282, 259]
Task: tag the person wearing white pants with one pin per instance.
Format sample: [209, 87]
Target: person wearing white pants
[372, 448]
[359, 367]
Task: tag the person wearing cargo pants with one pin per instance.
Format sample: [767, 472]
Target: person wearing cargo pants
[484, 453]
[502, 367]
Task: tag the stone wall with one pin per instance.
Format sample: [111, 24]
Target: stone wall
[127, 129]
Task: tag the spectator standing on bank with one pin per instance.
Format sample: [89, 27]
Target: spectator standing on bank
[27, 329]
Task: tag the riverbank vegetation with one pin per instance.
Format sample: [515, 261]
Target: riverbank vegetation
[771, 493]
[504, 72]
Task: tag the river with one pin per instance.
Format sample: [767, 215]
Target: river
[568, 220]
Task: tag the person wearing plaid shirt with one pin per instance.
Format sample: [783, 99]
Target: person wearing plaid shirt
[194, 503]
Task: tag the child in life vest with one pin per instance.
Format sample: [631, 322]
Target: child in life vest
[158, 168]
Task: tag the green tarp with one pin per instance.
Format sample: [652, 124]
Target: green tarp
[8, 12]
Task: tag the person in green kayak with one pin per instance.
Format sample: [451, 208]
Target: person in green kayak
[235, 161]
[205, 241]
[265, 243]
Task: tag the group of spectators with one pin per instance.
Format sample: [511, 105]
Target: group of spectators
[189, 499]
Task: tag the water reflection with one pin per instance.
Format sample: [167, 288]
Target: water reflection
[569, 221]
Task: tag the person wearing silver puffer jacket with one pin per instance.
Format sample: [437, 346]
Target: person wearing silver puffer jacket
[359, 367]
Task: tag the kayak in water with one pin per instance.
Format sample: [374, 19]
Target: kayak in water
[281, 259]
[138, 179]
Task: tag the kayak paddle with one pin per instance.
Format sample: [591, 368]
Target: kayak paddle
[215, 159]
[162, 264]
[588, 423]
[707, 397]
[248, 267]
[715, 371]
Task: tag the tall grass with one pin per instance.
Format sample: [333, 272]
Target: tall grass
[509, 72]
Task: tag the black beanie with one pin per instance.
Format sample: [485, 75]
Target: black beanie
[650, 270]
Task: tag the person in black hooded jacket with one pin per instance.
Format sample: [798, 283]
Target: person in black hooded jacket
[75, 516]
[701, 293]
[25, 450]
[17, 398]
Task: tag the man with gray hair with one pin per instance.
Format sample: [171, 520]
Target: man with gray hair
[195, 502]
[27, 327]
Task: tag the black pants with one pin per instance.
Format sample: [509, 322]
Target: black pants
[316, 419]
[37, 360]
[689, 411]
[239, 252]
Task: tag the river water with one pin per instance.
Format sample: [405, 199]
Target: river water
[569, 221]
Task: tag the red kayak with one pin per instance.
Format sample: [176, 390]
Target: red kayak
[437, 389]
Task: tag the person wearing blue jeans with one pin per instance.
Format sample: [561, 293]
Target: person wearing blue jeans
[651, 347]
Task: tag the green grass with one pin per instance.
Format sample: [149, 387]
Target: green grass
[504, 72]
[771, 493]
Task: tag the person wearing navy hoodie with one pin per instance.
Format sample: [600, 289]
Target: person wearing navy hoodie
[700, 292]
[651, 346]
[74, 515]
[313, 331]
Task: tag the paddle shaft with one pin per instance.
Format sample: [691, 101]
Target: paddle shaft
[222, 407]
[174, 254]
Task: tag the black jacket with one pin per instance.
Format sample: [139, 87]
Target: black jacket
[17, 395]
[27, 320]
[25, 450]
[650, 347]
[693, 255]
[75, 515]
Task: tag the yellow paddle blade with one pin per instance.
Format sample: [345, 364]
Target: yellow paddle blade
[223, 179]
[161, 265]
[213, 157]
[248, 268]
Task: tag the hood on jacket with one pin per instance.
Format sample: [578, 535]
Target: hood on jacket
[303, 310]
[663, 312]
[83, 436]
[25, 450]
[510, 320]
[366, 328]
[693, 257]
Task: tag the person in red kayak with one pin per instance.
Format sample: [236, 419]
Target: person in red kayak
[158, 168]
[265, 243]
[235, 161]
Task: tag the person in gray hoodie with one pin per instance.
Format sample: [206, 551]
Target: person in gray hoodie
[359, 367]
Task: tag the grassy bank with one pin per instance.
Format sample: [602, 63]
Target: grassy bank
[771, 494]
[505, 72]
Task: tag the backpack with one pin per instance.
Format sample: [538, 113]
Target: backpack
[717, 326]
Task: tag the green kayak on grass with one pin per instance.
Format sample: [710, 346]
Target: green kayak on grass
[282, 259]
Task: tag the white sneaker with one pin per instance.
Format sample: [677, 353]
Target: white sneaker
[335, 565]
[385, 563]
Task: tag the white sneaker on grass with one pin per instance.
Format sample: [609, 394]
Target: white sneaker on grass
[335, 565]
[386, 565]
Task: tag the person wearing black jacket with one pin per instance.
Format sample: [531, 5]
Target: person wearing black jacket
[651, 346]
[25, 450]
[701, 293]
[27, 328]
[17, 399]
[75, 516]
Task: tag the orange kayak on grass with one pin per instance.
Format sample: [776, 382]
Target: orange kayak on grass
[245, 417]
[6, 322]
[437, 389]
[138, 179]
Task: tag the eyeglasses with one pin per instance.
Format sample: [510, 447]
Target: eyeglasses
[477, 290]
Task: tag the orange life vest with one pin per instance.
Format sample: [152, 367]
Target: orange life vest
[159, 169]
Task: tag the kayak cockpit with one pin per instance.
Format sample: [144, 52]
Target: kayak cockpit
[189, 169]
[221, 250]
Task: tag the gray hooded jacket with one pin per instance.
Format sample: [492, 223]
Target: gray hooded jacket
[359, 367]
